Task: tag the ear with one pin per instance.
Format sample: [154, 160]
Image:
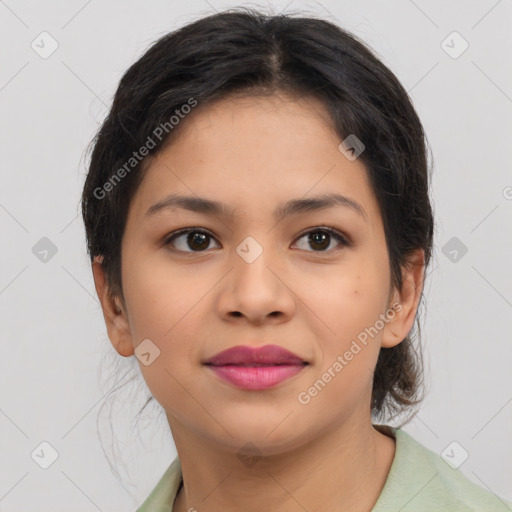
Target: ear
[405, 302]
[116, 319]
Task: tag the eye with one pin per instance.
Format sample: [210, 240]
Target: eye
[322, 237]
[197, 239]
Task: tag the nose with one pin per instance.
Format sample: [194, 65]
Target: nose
[256, 289]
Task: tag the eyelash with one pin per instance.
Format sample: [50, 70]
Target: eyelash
[343, 241]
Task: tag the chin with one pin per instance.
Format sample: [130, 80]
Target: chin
[269, 434]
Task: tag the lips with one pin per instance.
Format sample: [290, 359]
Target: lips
[251, 368]
[244, 355]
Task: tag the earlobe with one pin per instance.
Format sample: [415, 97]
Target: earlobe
[405, 302]
[116, 320]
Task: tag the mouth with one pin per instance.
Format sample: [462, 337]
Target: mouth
[253, 368]
[245, 355]
[256, 377]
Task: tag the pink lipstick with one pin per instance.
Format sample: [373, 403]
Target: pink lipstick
[254, 368]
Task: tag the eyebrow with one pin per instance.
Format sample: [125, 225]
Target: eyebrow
[291, 207]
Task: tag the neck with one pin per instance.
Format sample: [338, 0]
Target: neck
[347, 466]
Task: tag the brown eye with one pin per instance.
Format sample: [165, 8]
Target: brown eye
[321, 238]
[196, 239]
[199, 240]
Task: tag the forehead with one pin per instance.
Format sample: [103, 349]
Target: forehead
[255, 152]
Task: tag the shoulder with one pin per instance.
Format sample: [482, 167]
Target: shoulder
[420, 480]
[164, 493]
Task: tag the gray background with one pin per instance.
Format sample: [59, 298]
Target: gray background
[54, 342]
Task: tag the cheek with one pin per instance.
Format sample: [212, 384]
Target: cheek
[349, 308]
[161, 296]
[348, 299]
[343, 376]
[167, 311]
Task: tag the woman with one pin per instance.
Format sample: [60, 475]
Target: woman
[259, 225]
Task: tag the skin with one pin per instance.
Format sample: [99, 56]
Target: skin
[253, 153]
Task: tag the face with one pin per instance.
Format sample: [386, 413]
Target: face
[313, 281]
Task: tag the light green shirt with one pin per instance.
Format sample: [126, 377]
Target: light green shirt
[419, 480]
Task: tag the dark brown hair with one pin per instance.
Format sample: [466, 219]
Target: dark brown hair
[242, 50]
